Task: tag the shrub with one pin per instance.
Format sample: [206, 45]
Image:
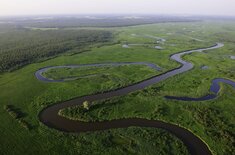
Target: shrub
[14, 114]
[11, 111]
[24, 124]
[86, 105]
[17, 116]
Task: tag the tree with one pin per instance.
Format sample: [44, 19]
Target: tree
[86, 105]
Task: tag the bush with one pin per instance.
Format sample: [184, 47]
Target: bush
[17, 116]
[86, 105]
[24, 124]
[14, 114]
[11, 111]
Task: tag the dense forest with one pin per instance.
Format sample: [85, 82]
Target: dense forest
[19, 47]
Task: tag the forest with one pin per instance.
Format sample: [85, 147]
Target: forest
[19, 47]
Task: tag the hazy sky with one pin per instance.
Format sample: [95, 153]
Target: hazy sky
[40, 7]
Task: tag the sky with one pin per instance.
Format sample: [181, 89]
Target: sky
[179, 7]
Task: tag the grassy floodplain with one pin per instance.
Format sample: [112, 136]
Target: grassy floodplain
[213, 120]
[108, 78]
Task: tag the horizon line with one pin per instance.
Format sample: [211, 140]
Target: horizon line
[116, 14]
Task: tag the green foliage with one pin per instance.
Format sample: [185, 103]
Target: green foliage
[21, 47]
[213, 122]
[105, 78]
[79, 113]
[30, 95]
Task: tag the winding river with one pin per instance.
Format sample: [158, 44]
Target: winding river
[49, 116]
[39, 73]
[214, 89]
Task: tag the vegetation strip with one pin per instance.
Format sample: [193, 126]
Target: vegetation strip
[17, 115]
[49, 116]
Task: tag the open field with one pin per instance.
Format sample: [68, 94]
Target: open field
[213, 121]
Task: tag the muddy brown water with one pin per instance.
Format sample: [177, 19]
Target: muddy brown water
[49, 116]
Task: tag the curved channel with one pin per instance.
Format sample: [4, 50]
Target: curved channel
[214, 89]
[39, 73]
[49, 116]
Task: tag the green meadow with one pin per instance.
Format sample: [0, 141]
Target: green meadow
[213, 120]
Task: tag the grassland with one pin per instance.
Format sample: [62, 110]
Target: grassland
[210, 120]
[109, 77]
